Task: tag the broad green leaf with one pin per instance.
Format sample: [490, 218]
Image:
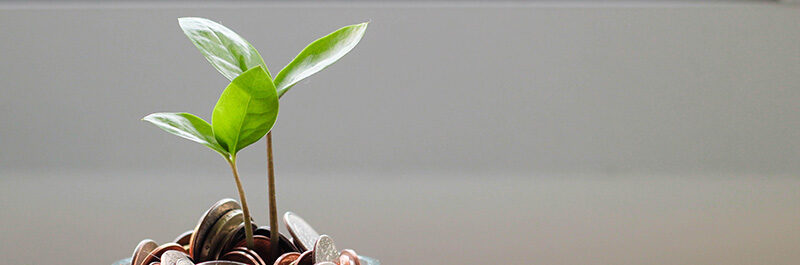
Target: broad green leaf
[187, 126]
[246, 110]
[319, 54]
[228, 52]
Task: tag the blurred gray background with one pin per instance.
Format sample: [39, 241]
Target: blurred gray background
[456, 132]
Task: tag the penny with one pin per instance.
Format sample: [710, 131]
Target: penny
[208, 219]
[221, 262]
[368, 261]
[303, 234]
[305, 258]
[142, 250]
[184, 238]
[261, 246]
[240, 256]
[285, 245]
[287, 258]
[155, 255]
[171, 257]
[253, 254]
[325, 250]
[225, 225]
[348, 257]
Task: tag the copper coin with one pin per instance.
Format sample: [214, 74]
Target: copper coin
[261, 246]
[142, 250]
[208, 220]
[303, 234]
[224, 226]
[287, 258]
[155, 263]
[252, 253]
[221, 262]
[171, 257]
[305, 259]
[240, 256]
[284, 244]
[155, 255]
[368, 261]
[348, 257]
[325, 250]
[183, 239]
[234, 238]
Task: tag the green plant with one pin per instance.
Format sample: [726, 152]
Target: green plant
[248, 107]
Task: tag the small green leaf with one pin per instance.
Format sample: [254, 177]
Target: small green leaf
[246, 110]
[224, 49]
[319, 54]
[187, 126]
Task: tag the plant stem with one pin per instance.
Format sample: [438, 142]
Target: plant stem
[248, 227]
[273, 207]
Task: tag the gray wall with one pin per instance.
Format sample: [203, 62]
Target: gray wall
[454, 133]
[653, 89]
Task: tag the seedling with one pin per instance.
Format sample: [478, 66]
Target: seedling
[248, 107]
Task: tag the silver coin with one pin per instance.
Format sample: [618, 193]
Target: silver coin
[171, 257]
[303, 234]
[208, 220]
[225, 226]
[142, 250]
[184, 261]
[125, 261]
[368, 261]
[325, 250]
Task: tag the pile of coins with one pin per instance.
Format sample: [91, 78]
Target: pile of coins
[219, 239]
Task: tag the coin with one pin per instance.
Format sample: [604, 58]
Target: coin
[171, 257]
[224, 226]
[221, 262]
[348, 257]
[208, 219]
[304, 235]
[232, 240]
[368, 261]
[183, 239]
[252, 253]
[305, 258]
[325, 263]
[284, 244]
[325, 250]
[261, 246]
[287, 258]
[184, 261]
[142, 249]
[155, 255]
[240, 256]
[155, 263]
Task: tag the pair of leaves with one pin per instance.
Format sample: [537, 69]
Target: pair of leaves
[245, 112]
[231, 54]
[248, 107]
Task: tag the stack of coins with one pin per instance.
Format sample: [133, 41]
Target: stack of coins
[219, 239]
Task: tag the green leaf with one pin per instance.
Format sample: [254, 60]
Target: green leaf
[187, 126]
[246, 110]
[224, 49]
[319, 54]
